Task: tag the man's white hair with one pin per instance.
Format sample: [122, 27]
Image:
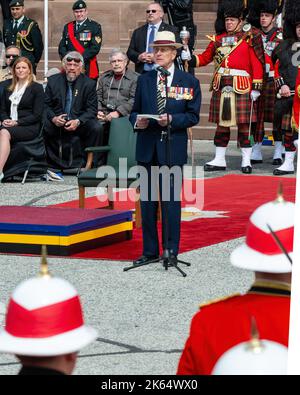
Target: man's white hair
[117, 51]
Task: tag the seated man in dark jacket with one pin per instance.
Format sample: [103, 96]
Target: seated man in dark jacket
[116, 89]
[71, 110]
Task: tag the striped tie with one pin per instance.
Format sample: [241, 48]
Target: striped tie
[161, 101]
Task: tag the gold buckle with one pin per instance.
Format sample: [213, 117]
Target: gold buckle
[226, 72]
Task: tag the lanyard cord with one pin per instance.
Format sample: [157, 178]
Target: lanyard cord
[111, 81]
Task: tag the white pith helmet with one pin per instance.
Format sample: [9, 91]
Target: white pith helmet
[255, 357]
[44, 318]
[261, 252]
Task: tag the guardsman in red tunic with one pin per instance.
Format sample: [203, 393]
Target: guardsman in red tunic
[224, 323]
[286, 56]
[262, 15]
[237, 80]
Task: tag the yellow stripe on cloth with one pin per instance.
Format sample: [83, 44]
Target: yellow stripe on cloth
[65, 240]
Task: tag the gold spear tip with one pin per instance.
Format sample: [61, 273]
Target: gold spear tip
[280, 198]
[44, 272]
[254, 345]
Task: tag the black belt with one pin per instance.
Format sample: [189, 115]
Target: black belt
[269, 291]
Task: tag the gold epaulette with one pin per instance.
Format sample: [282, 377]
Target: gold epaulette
[213, 301]
[211, 38]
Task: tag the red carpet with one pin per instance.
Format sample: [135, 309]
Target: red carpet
[237, 195]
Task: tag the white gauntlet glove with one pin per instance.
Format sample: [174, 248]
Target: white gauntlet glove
[254, 95]
[185, 54]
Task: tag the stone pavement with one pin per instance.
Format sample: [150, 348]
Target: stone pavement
[143, 315]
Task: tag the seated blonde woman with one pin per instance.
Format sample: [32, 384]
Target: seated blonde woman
[21, 109]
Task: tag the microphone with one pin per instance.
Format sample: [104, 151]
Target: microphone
[162, 70]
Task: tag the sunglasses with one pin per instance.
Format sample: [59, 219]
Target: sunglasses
[153, 11]
[11, 56]
[73, 59]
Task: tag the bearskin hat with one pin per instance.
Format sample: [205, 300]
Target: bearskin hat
[256, 7]
[271, 6]
[291, 19]
[229, 8]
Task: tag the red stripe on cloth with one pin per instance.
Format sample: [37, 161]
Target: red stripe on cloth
[264, 243]
[237, 195]
[45, 321]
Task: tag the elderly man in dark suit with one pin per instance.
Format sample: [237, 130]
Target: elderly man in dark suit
[183, 107]
[140, 51]
[71, 110]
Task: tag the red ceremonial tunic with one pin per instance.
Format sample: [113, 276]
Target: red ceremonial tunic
[241, 58]
[221, 325]
[239, 68]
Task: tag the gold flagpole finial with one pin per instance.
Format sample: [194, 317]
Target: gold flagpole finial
[44, 272]
[254, 345]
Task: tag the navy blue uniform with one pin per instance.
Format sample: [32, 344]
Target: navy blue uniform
[28, 38]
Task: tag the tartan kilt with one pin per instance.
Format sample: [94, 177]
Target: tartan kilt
[242, 102]
[283, 114]
[286, 122]
[268, 97]
[265, 110]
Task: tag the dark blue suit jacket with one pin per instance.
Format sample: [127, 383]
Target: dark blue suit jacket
[185, 114]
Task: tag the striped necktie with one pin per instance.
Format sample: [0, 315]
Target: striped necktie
[161, 99]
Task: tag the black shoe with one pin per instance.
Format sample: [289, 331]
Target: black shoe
[277, 162]
[145, 259]
[278, 172]
[213, 168]
[247, 170]
[256, 161]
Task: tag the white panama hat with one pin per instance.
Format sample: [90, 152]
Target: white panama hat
[165, 39]
[44, 318]
[260, 251]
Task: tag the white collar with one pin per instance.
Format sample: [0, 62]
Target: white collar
[80, 23]
[156, 26]
[20, 20]
[170, 77]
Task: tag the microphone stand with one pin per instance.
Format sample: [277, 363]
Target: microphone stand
[166, 258]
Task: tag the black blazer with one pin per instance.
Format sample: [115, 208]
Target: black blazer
[84, 101]
[31, 106]
[138, 43]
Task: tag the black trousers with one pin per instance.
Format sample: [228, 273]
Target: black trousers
[66, 149]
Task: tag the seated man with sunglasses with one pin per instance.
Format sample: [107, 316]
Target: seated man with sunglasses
[11, 53]
[140, 51]
[71, 110]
